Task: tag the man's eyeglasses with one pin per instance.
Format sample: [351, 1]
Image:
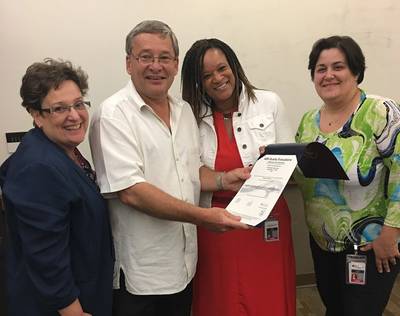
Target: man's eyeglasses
[147, 59]
[65, 108]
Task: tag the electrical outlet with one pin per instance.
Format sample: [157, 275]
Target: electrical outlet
[13, 139]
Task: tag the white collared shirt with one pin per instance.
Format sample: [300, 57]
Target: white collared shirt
[131, 144]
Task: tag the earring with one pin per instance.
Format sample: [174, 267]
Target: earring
[36, 125]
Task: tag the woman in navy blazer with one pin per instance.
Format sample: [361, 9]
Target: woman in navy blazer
[59, 250]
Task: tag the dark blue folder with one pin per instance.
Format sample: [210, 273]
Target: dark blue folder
[314, 159]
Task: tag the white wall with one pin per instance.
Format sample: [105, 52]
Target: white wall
[271, 37]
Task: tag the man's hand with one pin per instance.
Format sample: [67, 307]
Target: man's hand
[385, 248]
[220, 220]
[234, 179]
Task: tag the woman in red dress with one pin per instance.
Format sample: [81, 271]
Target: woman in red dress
[248, 272]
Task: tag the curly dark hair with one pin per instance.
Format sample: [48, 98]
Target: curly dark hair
[41, 77]
[351, 50]
[192, 69]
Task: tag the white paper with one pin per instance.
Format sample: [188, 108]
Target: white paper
[258, 195]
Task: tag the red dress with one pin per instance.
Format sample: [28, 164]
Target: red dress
[238, 272]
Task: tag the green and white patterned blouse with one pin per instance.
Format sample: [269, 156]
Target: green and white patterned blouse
[343, 212]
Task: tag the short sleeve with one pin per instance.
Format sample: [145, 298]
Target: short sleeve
[116, 153]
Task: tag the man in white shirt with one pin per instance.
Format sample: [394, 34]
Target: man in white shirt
[145, 147]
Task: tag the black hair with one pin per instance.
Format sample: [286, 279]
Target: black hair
[352, 51]
[192, 75]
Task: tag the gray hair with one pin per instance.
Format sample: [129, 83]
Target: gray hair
[153, 27]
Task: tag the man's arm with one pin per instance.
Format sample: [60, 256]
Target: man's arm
[155, 202]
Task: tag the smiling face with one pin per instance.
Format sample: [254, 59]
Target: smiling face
[333, 80]
[67, 129]
[218, 79]
[152, 81]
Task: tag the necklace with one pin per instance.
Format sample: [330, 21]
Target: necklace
[348, 112]
[339, 117]
[227, 116]
[333, 122]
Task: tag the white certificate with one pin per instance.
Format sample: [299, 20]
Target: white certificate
[258, 195]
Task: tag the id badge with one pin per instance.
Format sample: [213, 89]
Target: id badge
[271, 229]
[356, 269]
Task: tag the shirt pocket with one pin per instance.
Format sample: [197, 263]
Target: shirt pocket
[262, 128]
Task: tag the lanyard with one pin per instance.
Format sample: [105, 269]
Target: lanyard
[356, 246]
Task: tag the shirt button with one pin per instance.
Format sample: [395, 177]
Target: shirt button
[244, 146]
[239, 114]
[261, 125]
[182, 179]
[239, 129]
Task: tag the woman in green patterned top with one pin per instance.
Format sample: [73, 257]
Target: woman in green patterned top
[361, 215]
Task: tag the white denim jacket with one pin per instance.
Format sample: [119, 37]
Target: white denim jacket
[255, 124]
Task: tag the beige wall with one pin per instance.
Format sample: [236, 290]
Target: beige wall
[271, 37]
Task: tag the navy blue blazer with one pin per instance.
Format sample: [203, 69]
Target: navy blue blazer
[59, 245]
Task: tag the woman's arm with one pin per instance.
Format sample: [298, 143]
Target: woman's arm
[388, 144]
[74, 309]
[39, 199]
